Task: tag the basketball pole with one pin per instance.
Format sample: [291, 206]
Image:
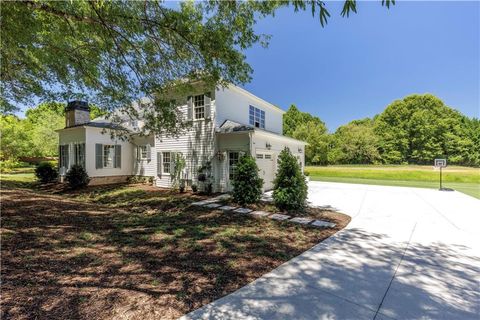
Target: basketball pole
[441, 178]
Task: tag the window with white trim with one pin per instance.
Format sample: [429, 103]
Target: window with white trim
[108, 155]
[268, 156]
[166, 162]
[80, 154]
[259, 155]
[256, 117]
[232, 164]
[199, 106]
[143, 152]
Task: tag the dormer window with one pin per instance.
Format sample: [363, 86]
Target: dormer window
[199, 106]
[257, 117]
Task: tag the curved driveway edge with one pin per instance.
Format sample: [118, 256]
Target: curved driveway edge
[408, 253]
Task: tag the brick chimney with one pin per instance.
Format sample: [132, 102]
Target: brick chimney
[77, 113]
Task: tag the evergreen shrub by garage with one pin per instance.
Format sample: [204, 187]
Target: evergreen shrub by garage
[290, 186]
[77, 177]
[247, 185]
[46, 172]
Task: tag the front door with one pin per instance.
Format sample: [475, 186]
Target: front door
[232, 164]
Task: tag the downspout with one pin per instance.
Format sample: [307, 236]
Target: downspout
[251, 142]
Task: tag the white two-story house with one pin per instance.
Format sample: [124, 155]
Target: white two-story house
[225, 123]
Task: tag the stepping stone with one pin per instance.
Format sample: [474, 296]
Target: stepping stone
[211, 200]
[199, 203]
[301, 220]
[260, 213]
[242, 210]
[227, 208]
[212, 205]
[278, 216]
[323, 224]
[222, 197]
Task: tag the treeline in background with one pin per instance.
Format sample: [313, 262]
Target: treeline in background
[414, 130]
[33, 137]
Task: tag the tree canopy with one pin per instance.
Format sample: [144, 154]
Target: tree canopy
[114, 52]
[35, 136]
[415, 130]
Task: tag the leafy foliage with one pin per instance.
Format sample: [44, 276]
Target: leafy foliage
[35, 135]
[290, 186]
[415, 130]
[114, 52]
[46, 172]
[420, 128]
[77, 177]
[247, 185]
[179, 164]
[355, 143]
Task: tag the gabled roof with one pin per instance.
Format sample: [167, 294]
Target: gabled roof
[232, 126]
[229, 126]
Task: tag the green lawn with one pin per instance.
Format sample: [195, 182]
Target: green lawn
[463, 179]
[19, 180]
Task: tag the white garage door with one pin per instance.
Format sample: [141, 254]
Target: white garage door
[267, 169]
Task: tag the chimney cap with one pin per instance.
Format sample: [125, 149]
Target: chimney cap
[77, 105]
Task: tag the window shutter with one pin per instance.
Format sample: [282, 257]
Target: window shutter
[159, 164]
[190, 108]
[118, 156]
[98, 156]
[83, 156]
[138, 153]
[67, 156]
[208, 105]
[172, 162]
[149, 152]
[60, 163]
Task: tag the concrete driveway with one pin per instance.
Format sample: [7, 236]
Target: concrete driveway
[408, 253]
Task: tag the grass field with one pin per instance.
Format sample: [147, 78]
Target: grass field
[463, 179]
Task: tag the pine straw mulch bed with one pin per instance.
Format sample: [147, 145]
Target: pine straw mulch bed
[132, 252]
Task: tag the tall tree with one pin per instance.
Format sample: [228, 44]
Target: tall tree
[115, 52]
[355, 143]
[418, 129]
[316, 135]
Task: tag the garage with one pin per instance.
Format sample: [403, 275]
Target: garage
[266, 165]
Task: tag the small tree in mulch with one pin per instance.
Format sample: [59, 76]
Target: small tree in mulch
[247, 185]
[290, 185]
[77, 177]
[46, 172]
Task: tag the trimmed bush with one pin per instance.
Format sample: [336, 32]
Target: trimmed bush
[290, 186]
[46, 172]
[77, 177]
[247, 185]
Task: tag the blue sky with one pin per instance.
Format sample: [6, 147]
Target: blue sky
[354, 67]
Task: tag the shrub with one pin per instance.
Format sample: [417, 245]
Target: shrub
[46, 172]
[139, 179]
[194, 187]
[77, 177]
[247, 185]
[290, 186]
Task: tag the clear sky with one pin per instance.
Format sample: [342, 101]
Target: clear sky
[354, 67]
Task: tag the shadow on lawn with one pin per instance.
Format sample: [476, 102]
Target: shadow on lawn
[66, 259]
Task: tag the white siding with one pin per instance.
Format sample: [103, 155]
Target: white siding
[233, 104]
[94, 136]
[277, 144]
[229, 142]
[197, 146]
[144, 167]
[71, 136]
